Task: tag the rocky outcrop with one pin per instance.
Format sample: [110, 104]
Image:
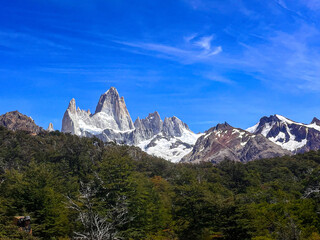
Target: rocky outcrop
[50, 128]
[290, 135]
[18, 121]
[226, 142]
[315, 121]
[114, 108]
[174, 127]
[148, 127]
[70, 119]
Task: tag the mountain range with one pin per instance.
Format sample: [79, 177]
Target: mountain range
[171, 139]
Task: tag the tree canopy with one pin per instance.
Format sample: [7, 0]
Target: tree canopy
[73, 187]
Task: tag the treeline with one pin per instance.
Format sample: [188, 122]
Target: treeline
[81, 188]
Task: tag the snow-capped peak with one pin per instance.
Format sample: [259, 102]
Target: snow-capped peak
[284, 119]
[288, 134]
[170, 139]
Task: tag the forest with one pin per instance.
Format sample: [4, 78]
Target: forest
[82, 188]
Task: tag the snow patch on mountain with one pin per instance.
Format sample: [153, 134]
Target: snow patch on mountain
[253, 128]
[172, 148]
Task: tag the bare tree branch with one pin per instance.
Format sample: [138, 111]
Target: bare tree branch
[311, 190]
[98, 226]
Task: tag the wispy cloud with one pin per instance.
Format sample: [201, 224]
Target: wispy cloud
[194, 51]
[220, 6]
[281, 59]
[204, 42]
[283, 5]
[19, 40]
[218, 78]
[286, 60]
[312, 4]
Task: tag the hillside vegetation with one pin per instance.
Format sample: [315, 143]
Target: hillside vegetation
[83, 188]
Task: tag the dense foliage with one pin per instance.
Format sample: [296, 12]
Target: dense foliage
[55, 177]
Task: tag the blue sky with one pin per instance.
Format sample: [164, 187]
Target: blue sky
[203, 61]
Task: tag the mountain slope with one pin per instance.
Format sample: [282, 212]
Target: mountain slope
[293, 136]
[225, 141]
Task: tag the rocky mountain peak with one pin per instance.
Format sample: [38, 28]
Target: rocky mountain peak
[224, 141]
[111, 113]
[154, 115]
[315, 121]
[152, 123]
[271, 118]
[173, 126]
[137, 123]
[155, 120]
[18, 121]
[50, 128]
[109, 100]
[222, 126]
[290, 135]
[72, 106]
[115, 108]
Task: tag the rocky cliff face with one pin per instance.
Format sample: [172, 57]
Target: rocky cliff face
[174, 127]
[170, 139]
[149, 126]
[111, 113]
[17, 121]
[114, 109]
[293, 136]
[226, 142]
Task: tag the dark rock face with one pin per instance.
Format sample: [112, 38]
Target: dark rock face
[17, 121]
[315, 121]
[226, 142]
[293, 136]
